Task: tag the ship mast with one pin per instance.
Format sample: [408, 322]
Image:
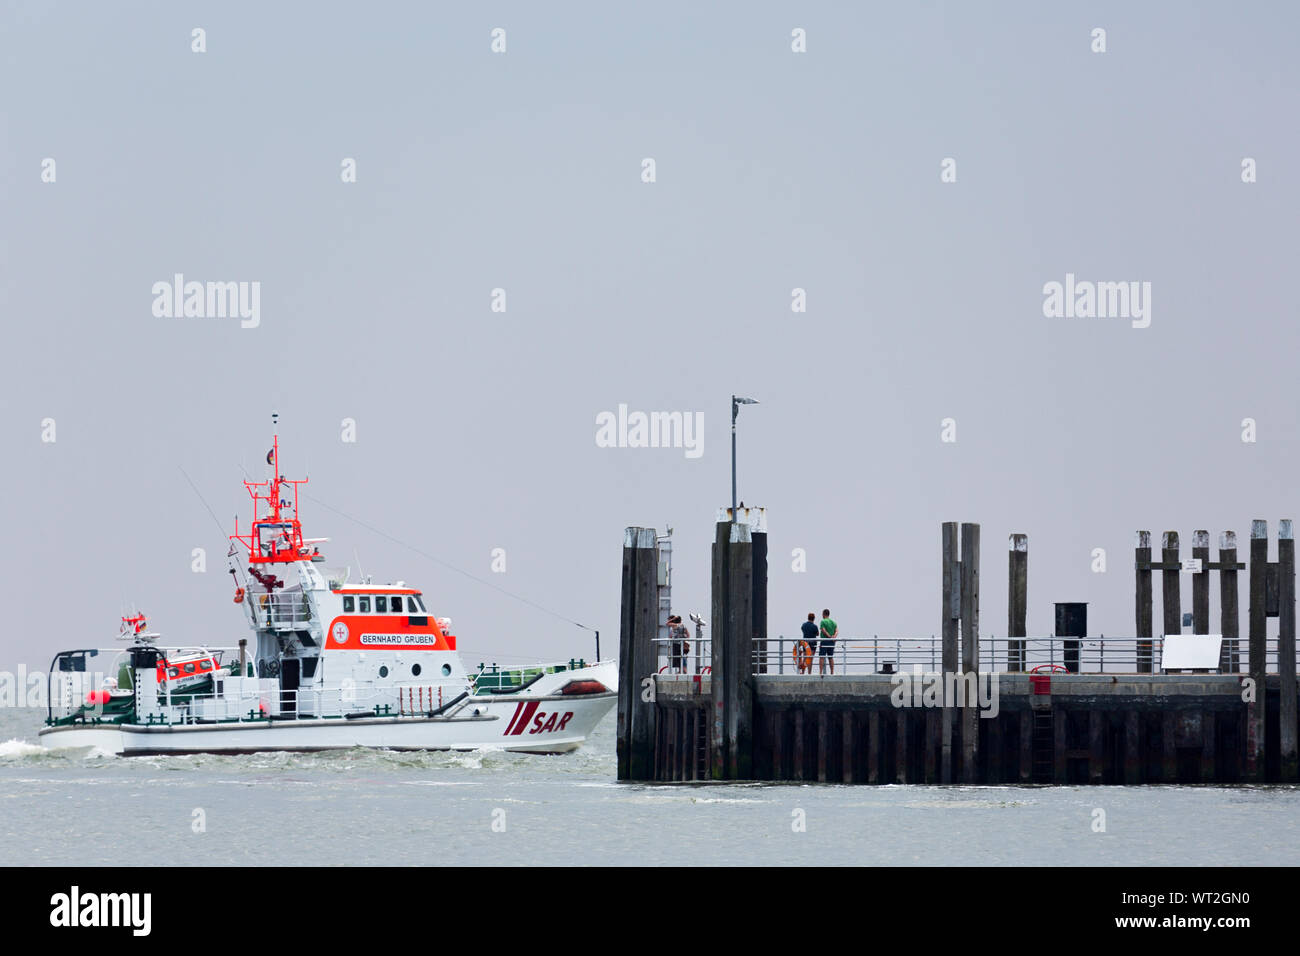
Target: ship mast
[276, 533]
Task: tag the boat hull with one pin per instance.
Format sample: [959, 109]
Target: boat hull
[520, 722]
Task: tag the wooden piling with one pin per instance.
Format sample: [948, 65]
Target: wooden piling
[1142, 561]
[638, 656]
[901, 773]
[758, 598]
[1096, 746]
[873, 746]
[798, 744]
[1171, 601]
[970, 646]
[695, 744]
[950, 616]
[1132, 753]
[846, 746]
[1201, 583]
[1229, 622]
[1026, 768]
[823, 745]
[685, 744]
[1168, 751]
[778, 744]
[1289, 770]
[933, 723]
[733, 651]
[1257, 649]
[1060, 730]
[995, 750]
[1017, 599]
[1208, 747]
[951, 595]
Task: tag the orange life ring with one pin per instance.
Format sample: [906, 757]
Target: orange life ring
[802, 654]
[239, 595]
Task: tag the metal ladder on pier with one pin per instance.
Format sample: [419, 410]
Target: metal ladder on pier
[1044, 745]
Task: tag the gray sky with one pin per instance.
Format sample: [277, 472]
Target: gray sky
[522, 171]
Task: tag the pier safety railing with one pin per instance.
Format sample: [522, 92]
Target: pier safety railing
[885, 655]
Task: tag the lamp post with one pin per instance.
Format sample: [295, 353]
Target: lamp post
[736, 402]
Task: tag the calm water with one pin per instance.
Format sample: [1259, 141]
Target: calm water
[367, 807]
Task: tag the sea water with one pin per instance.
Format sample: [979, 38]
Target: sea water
[377, 807]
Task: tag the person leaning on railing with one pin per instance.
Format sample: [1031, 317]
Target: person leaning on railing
[680, 646]
[806, 647]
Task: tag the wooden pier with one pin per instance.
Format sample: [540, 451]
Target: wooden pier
[741, 719]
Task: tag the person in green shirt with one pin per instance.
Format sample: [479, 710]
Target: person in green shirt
[826, 649]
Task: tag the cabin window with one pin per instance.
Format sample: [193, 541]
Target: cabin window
[309, 667]
[383, 670]
[349, 604]
[415, 670]
[364, 604]
[189, 668]
[415, 601]
[397, 604]
[173, 672]
[381, 604]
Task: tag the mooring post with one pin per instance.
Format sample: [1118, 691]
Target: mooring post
[1201, 583]
[1229, 624]
[1142, 561]
[950, 616]
[732, 680]
[638, 624]
[1171, 600]
[1258, 647]
[1290, 768]
[970, 648]
[1017, 599]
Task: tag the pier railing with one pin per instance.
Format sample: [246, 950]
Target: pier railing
[884, 655]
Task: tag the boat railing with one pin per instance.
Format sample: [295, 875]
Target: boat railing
[351, 700]
[355, 699]
[288, 610]
[496, 677]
